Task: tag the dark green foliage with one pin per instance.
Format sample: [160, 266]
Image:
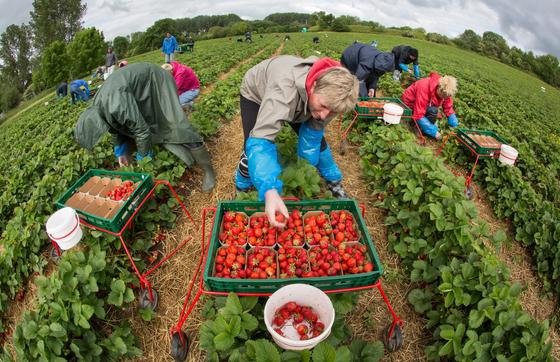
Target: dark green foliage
[53, 20]
[86, 52]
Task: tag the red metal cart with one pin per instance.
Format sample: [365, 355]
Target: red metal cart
[392, 335]
[370, 113]
[147, 297]
[468, 138]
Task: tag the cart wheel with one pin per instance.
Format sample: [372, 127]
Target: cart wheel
[179, 346]
[343, 147]
[53, 255]
[144, 299]
[394, 342]
[469, 192]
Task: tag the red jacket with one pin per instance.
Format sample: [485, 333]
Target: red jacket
[422, 94]
[185, 78]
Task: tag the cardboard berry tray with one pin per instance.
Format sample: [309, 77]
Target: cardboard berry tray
[89, 197]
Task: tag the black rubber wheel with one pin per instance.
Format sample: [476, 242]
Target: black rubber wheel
[395, 341]
[469, 193]
[53, 255]
[144, 299]
[179, 346]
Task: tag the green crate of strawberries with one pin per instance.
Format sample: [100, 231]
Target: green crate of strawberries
[325, 244]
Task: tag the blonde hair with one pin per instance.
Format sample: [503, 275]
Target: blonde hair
[447, 86]
[167, 67]
[339, 87]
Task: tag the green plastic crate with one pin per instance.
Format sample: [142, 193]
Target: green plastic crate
[115, 223]
[464, 134]
[376, 112]
[271, 285]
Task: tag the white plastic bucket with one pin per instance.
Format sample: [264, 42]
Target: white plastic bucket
[392, 113]
[63, 227]
[508, 155]
[302, 294]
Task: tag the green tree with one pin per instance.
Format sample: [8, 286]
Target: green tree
[324, 21]
[15, 52]
[239, 28]
[55, 20]
[339, 25]
[494, 45]
[9, 94]
[86, 51]
[55, 66]
[469, 40]
[120, 46]
[152, 38]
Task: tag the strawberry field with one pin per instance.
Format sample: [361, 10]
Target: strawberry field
[469, 308]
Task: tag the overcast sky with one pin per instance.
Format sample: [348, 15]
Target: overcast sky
[529, 25]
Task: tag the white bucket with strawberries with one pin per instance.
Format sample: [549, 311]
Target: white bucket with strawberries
[298, 316]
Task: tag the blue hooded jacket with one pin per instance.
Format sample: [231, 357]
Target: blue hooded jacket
[169, 45]
[367, 63]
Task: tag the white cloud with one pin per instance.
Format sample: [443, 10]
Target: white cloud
[527, 25]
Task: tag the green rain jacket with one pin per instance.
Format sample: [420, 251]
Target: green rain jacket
[140, 102]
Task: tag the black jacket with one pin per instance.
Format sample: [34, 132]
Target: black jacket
[402, 53]
[367, 64]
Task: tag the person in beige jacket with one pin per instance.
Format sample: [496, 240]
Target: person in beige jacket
[306, 93]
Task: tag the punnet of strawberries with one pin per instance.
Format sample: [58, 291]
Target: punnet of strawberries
[261, 263]
[234, 228]
[259, 232]
[301, 318]
[316, 227]
[344, 227]
[293, 262]
[230, 262]
[292, 234]
[121, 192]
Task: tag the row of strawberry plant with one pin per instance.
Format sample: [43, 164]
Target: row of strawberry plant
[234, 330]
[463, 290]
[76, 314]
[34, 179]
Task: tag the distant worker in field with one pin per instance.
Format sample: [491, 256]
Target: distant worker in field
[425, 96]
[248, 37]
[189, 44]
[315, 40]
[110, 61]
[188, 85]
[62, 89]
[368, 64]
[404, 55]
[79, 90]
[304, 93]
[168, 47]
[139, 106]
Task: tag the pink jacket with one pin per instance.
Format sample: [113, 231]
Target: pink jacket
[422, 94]
[185, 78]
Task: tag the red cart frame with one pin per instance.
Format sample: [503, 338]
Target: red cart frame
[179, 341]
[148, 295]
[495, 154]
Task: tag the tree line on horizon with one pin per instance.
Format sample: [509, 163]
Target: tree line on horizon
[54, 46]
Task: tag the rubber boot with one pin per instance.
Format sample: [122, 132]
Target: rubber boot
[202, 158]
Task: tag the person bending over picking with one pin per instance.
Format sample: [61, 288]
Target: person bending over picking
[139, 106]
[305, 93]
[425, 96]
